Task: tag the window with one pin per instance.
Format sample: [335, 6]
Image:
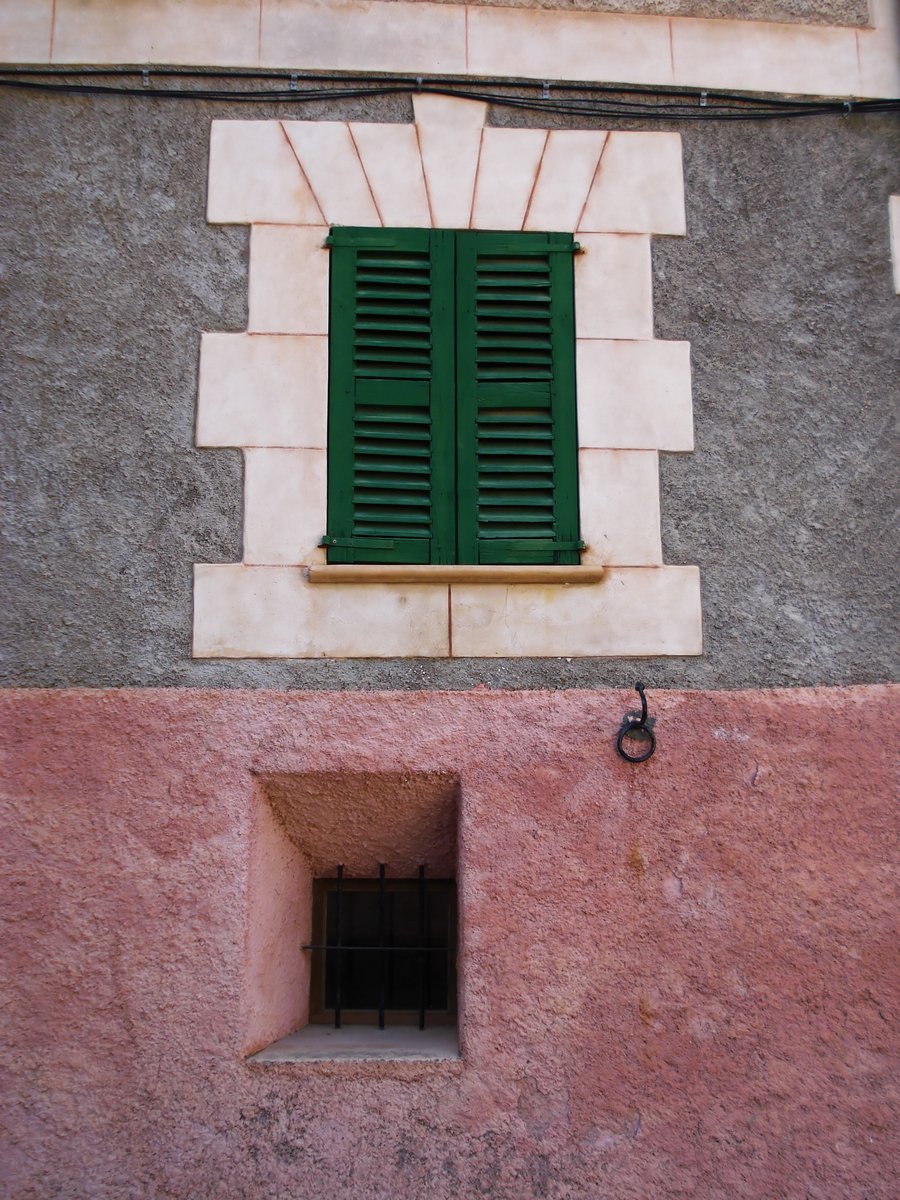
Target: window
[452, 398]
[383, 951]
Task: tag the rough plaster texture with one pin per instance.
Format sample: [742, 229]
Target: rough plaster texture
[805, 12]
[400, 820]
[783, 287]
[279, 924]
[675, 978]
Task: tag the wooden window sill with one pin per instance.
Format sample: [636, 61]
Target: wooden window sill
[453, 573]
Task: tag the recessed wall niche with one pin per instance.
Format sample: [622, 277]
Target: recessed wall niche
[303, 826]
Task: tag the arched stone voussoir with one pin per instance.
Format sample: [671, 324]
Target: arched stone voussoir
[327, 155]
[507, 172]
[393, 165]
[639, 186]
[449, 132]
[254, 177]
[569, 164]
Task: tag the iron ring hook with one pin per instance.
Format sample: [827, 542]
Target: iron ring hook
[636, 725]
[631, 727]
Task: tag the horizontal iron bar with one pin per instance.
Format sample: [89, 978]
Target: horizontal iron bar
[377, 949]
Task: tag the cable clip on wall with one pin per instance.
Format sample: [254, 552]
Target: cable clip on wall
[636, 741]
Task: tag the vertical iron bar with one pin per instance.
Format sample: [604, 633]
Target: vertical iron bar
[381, 935]
[340, 957]
[423, 955]
[452, 914]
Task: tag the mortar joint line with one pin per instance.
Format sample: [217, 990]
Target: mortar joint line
[306, 178]
[537, 176]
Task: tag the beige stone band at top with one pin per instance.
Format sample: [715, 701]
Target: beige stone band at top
[455, 39]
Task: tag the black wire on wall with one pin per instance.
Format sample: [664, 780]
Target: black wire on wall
[590, 100]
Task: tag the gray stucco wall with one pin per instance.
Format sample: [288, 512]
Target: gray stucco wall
[806, 12]
[783, 286]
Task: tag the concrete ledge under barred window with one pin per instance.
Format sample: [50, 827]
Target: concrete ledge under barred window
[303, 826]
[321, 1043]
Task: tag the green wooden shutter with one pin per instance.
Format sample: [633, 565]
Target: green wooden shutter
[516, 439]
[391, 397]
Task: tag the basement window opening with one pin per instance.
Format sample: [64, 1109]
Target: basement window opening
[359, 961]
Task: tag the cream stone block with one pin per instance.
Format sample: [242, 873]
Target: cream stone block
[507, 173]
[567, 169]
[254, 177]
[262, 390]
[248, 612]
[412, 38]
[619, 501]
[613, 286]
[174, 32]
[392, 163]
[273, 612]
[639, 187]
[632, 612]
[327, 153]
[573, 46]
[284, 506]
[634, 395]
[288, 291]
[879, 57]
[765, 57]
[894, 216]
[450, 139]
[25, 31]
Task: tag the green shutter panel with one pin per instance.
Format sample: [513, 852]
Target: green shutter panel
[516, 438]
[390, 397]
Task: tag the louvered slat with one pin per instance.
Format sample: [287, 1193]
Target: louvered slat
[514, 422]
[391, 460]
[392, 330]
[392, 415]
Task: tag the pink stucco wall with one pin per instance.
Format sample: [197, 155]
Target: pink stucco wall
[676, 979]
[278, 923]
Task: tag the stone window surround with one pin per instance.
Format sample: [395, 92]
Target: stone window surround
[266, 390]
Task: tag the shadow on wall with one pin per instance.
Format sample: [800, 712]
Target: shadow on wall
[304, 825]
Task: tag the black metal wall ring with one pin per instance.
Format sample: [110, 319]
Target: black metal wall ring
[642, 725]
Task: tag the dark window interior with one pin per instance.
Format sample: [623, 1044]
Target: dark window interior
[386, 952]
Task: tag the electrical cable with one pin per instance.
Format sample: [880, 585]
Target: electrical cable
[607, 101]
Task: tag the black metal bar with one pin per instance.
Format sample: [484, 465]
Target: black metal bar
[423, 937]
[451, 966]
[380, 949]
[340, 938]
[382, 898]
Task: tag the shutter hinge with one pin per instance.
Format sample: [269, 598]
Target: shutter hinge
[360, 543]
